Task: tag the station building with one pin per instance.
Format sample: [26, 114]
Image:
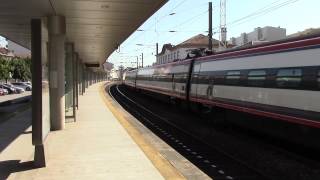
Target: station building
[170, 53]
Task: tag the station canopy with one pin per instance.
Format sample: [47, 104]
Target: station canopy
[96, 27]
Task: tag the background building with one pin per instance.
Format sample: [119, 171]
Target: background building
[5, 53]
[107, 66]
[264, 34]
[170, 53]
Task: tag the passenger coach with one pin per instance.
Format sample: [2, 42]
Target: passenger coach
[276, 80]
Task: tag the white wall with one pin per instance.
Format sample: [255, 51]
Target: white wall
[169, 56]
[268, 33]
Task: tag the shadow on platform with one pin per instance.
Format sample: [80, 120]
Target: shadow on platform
[13, 128]
[13, 166]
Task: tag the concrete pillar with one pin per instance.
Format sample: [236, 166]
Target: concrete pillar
[69, 67]
[75, 85]
[84, 76]
[57, 31]
[76, 75]
[40, 90]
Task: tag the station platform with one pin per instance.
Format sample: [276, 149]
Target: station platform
[14, 97]
[96, 146]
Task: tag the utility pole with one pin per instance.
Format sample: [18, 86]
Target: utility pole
[142, 60]
[137, 62]
[210, 27]
[157, 48]
[223, 28]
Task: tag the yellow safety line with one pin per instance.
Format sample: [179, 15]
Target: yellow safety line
[163, 165]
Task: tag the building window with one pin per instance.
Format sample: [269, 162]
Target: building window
[174, 55]
[256, 77]
[177, 54]
[289, 78]
[233, 77]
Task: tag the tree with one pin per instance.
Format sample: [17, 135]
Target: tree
[19, 68]
[27, 67]
[5, 69]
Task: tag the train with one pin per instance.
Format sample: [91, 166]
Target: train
[277, 83]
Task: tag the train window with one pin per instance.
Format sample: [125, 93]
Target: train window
[232, 77]
[233, 74]
[256, 77]
[289, 78]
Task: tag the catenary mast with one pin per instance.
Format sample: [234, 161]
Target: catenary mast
[223, 28]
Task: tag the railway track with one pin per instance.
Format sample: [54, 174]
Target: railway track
[214, 161]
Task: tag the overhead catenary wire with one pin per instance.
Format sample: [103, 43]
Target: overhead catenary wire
[151, 27]
[275, 5]
[265, 10]
[156, 19]
[184, 22]
[260, 12]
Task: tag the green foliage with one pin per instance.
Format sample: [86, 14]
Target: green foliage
[5, 69]
[18, 68]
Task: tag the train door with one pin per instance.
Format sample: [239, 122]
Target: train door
[135, 79]
[210, 87]
[173, 84]
[194, 80]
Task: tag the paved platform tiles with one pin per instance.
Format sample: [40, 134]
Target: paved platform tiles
[95, 147]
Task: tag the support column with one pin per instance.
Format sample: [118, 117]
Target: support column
[57, 31]
[83, 79]
[40, 90]
[77, 83]
[84, 76]
[86, 73]
[70, 85]
[69, 79]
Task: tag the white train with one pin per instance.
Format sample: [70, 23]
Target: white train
[279, 80]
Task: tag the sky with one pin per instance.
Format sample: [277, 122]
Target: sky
[188, 18]
[3, 42]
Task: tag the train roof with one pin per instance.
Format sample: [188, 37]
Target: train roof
[269, 47]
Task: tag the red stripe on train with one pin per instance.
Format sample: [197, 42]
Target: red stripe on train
[269, 48]
[283, 117]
